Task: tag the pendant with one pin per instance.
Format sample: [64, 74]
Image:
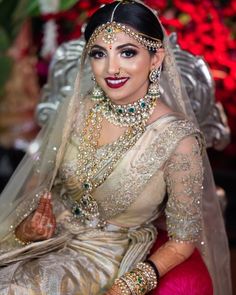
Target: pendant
[86, 210]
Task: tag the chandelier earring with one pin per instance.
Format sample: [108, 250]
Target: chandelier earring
[154, 78]
[97, 93]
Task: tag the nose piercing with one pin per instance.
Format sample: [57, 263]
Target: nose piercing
[118, 73]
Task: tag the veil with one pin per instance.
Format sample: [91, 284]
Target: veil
[39, 168]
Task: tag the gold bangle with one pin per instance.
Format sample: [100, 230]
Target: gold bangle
[125, 290]
[149, 274]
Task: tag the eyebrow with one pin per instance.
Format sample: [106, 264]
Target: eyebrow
[118, 47]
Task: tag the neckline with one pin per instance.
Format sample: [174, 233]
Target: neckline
[153, 124]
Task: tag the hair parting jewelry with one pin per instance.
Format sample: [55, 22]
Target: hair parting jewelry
[110, 29]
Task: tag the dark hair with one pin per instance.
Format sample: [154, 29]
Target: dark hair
[133, 14]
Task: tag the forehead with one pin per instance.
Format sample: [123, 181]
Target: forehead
[120, 38]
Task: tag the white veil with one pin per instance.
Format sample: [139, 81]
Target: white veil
[38, 169]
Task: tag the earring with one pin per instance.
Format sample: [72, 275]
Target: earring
[97, 93]
[154, 78]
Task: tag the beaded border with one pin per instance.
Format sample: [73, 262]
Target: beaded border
[111, 28]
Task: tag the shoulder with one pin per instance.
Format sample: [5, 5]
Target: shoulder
[160, 110]
[174, 130]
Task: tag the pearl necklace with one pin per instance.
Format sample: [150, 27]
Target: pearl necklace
[132, 114]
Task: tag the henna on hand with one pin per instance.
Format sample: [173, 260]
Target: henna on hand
[41, 224]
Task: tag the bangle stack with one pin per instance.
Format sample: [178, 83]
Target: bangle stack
[139, 281]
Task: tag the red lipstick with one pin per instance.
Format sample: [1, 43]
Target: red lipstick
[116, 82]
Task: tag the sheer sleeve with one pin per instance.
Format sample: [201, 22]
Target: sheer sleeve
[183, 174]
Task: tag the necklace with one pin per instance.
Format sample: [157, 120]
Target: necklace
[132, 114]
[84, 207]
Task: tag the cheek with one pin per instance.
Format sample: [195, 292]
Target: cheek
[97, 67]
[141, 67]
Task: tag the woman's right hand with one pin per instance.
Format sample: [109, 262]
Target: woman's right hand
[40, 225]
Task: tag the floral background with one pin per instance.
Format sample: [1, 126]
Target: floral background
[205, 27]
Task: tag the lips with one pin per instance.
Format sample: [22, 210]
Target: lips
[116, 82]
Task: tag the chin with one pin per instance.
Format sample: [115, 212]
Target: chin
[118, 99]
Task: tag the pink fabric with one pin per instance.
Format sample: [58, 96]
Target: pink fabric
[189, 278]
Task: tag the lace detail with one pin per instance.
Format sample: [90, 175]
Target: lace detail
[140, 171]
[184, 176]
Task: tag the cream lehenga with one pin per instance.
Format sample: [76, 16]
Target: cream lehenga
[106, 232]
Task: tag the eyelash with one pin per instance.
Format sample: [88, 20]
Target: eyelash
[96, 54]
[126, 53]
[131, 53]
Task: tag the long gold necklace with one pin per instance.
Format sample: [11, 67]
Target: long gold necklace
[85, 208]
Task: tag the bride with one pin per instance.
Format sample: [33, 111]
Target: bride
[77, 216]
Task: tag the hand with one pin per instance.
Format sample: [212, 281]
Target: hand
[115, 290]
[40, 225]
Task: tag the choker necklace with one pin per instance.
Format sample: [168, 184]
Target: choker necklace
[131, 114]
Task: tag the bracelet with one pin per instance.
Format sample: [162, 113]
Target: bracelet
[149, 274]
[19, 241]
[133, 283]
[153, 265]
[137, 282]
[123, 286]
[130, 284]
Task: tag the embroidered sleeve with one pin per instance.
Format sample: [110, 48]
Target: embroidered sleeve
[183, 174]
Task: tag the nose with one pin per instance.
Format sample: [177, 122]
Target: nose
[113, 65]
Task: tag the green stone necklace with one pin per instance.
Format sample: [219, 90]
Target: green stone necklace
[129, 115]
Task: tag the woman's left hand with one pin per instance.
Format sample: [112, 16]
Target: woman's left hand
[115, 290]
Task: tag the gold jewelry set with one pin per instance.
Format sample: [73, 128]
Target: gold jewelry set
[131, 114]
[139, 281]
[111, 28]
[134, 116]
[88, 165]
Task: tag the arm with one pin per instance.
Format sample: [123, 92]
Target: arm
[183, 175]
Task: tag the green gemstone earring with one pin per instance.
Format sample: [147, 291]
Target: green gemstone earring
[97, 93]
[154, 77]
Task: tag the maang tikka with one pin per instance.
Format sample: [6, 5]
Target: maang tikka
[109, 32]
[154, 78]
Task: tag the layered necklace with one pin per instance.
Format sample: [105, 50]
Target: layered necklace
[88, 165]
[132, 114]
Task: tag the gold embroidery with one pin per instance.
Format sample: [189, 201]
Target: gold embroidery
[138, 172]
[184, 175]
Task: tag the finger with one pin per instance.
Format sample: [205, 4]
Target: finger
[51, 231]
[52, 226]
[47, 215]
[42, 202]
[39, 211]
[48, 205]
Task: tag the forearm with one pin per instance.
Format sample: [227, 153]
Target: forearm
[170, 255]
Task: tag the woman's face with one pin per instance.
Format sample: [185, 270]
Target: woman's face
[127, 57]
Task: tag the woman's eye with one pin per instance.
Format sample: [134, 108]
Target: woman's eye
[96, 54]
[128, 53]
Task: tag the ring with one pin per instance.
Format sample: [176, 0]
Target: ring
[49, 225]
